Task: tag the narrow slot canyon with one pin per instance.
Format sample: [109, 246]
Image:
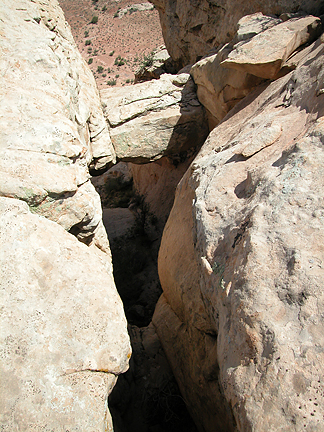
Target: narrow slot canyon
[161, 216]
[146, 398]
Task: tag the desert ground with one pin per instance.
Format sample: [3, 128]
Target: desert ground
[116, 44]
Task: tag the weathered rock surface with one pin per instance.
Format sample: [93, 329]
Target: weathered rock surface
[265, 53]
[63, 330]
[154, 119]
[259, 51]
[241, 263]
[52, 124]
[190, 29]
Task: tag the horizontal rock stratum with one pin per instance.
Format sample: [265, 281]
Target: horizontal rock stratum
[63, 331]
[241, 263]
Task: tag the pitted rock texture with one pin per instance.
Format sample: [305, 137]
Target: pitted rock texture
[241, 263]
[63, 330]
[191, 28]
[155, 119]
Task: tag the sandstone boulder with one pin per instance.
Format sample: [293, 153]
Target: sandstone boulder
[52, 124]
[154, 65]
[265, 53]
[63, 330]
[190, 29]
[154, 119]
[241, 263]
[259, 51]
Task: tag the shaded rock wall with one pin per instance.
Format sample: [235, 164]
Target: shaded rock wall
[191, 28]
[240, 263]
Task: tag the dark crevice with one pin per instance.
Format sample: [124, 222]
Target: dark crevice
[146, 398]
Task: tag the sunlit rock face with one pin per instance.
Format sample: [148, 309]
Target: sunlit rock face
[154, 119]
[240, 263]
[191, 28]
[63, 331]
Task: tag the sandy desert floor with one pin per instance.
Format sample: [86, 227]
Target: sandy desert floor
[116, 38]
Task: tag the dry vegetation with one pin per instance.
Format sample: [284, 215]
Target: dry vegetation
[114, 46]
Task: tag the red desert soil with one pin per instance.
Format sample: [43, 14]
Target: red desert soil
[131, 36]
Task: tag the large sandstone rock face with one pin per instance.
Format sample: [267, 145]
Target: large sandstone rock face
[63, 333]
[191, 28]
[241, 263]
[63, 330]
[155, 119]
[52, 124]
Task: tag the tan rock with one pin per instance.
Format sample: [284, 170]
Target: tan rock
[265, 53]
[155, 118]
[190, 29]
[52, 124]
[219, 89]
[63, 330]
[241, 262]
[157, 182]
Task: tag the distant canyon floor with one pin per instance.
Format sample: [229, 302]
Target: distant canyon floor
[115, 45]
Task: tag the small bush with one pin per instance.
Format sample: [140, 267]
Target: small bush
[104, 75]
[104, 8]
[119, 61]
[148, 60]
[88, 42]
[90, 61]
[86, 33]
[95, 52]
[94, 20]
[111, 82]
[89, 50]
[111, 53]
[100, 69]
[128, 81]
[109, 70]
[117, 76]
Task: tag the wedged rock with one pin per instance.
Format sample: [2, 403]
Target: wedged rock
[52, 124]
[63, 330]
[154, 65]
[241, 263]
[265, 53]
[154, 119]
[227, 76]
[191, 28]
